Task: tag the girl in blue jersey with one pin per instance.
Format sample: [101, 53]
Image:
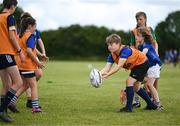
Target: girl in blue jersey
[153, 72]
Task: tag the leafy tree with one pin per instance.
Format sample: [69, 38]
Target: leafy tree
[168, 32]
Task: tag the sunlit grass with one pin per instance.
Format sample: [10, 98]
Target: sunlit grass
[68, 99]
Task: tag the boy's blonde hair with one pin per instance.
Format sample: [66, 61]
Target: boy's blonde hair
[113, 38]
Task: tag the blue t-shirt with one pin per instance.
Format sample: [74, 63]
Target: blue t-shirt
[151, 54]
[31, 41]
[124, 53]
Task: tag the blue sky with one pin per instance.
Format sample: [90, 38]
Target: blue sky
[113, 14]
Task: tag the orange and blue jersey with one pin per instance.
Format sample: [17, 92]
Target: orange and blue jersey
[151, 54]
[7, 23]
[27, 41]
[133, 41]
[133, 57]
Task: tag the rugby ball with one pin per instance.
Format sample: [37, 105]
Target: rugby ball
[95, 78]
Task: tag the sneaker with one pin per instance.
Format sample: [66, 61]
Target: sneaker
[124, 109]
[13, 108]
[5, 118]
[160, 108]
[136, 105]
[36, 110]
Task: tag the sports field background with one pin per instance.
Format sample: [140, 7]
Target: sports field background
[68, 99]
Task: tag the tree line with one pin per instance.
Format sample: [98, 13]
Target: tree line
[88, 42]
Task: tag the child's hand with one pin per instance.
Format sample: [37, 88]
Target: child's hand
[44, 58]
[40, 64]
[104, 75]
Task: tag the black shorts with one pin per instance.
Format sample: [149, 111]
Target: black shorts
[27, 73]
[6, 60]
[140, 71]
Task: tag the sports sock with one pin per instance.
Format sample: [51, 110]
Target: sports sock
[14, 100]
[137, 99]
[130, 95]
[145, 96]
[9, 95]
[35, 104]
[2, 100]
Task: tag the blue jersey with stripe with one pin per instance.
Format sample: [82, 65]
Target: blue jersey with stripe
[151, 54]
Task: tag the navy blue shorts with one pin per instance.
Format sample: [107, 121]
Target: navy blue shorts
[6, 60]
[140, 71]
[27, 73]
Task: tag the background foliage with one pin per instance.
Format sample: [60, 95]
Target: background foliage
[88, 42]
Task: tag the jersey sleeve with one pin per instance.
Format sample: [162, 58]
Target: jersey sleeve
[153, 33]
[125, 53]
[11, 23]
[31, 41]
[38, 35]
[132, 42]
[110, 59]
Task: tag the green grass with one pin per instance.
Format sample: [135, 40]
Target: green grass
[68, 99]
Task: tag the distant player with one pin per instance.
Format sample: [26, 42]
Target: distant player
[130, 59]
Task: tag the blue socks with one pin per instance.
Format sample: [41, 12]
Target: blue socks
[145, 96]
[130, 95]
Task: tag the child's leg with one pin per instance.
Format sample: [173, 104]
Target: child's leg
[142, 93]
[38, 74]
[13, 72]
[153, 91]
[130, 94]
[29, 99]
[34, 94]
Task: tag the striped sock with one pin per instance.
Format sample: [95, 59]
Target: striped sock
[137, 99]
[14, 100]
[9, 95]
[35, 104]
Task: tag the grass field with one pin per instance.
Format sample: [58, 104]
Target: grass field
[68, 99]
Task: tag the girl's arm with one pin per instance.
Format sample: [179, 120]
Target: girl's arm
[41, 44]
[16, 45]
[34, 58]
[43, 58]
[145, 50]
